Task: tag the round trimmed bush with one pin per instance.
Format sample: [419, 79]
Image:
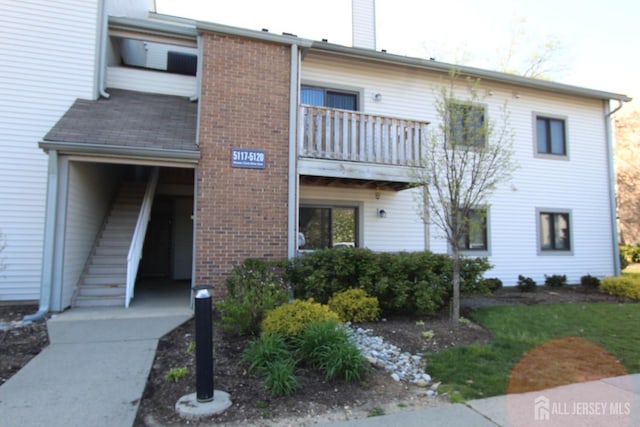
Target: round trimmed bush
[290, 319]
[355, 305]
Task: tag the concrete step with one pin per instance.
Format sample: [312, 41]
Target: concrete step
[115, 301]
[116, 268]
[112, 250]
[119, 231]
[100, 291]
[113, 241]
[104, 279]
[112, 260]
[122, 218]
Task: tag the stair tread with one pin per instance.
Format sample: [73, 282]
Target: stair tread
[104, 279]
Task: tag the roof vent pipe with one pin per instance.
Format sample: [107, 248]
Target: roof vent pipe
[363, 26]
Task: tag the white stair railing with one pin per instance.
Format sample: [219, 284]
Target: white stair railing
[137, 241]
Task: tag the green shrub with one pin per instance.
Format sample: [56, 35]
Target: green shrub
[322, 273]
[354, 305]
[254, 287]
[631, 254]
[343, 361]
[622, 286]
[176, 374]
[555, 280]
[280, 378]
[492, 284]
[265, 351]
[624, 260]
[290, 319]
[314, 337]
[526, 284]
[326, 346]
[471, 271]
[589, 281]
[404, 282]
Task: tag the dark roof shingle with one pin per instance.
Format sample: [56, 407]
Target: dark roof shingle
[130, 119]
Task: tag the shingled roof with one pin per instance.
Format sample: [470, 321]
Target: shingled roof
[129, 120]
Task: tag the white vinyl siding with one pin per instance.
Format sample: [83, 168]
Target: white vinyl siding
[91, 190]
[401, 230]
[48, 53]
[150, 81]
[579, 184]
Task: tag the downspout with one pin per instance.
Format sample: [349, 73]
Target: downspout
[194, 231]
[198, 77]
[49, 241]
[293, 154]
[104, 36]
[612, 184]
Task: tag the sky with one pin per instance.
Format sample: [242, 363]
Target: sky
[599, 40]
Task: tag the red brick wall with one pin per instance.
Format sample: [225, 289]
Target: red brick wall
[244, 104]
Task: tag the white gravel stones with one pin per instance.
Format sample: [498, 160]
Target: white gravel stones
[403, 366]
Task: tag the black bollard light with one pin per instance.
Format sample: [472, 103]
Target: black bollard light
[204, 344]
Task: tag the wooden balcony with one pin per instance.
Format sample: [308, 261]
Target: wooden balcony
[352, 144]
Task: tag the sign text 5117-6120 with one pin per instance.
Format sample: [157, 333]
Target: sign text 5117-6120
[247, 158]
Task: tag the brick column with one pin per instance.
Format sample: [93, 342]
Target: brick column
[241, 213]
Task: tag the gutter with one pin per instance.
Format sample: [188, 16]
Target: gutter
[49, 242]
[102, 56]
[185, 156]
[293, 155]
[617, 270]
[432, 65]
[196, 96]
[286, 39]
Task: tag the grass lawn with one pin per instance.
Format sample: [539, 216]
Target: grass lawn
[541, 346]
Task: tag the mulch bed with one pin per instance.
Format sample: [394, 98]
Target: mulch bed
[316, 398]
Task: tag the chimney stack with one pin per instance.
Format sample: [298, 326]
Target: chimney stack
[363, 15]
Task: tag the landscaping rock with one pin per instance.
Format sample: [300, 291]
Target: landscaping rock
[403, 366]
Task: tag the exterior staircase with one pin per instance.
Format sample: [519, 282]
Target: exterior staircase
[103, 282]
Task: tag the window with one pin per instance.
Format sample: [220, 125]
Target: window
[182, 63]
[551, 136]
[554, 231]
[466, 124]
[475, 238]
[322, 97]
[327, 227]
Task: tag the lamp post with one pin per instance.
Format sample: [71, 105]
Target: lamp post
[205, 401]
[204, 344]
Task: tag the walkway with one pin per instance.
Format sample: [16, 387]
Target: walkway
[95, 369]
[610, 402]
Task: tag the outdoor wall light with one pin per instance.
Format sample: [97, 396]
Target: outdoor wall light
[382, 213]
[377, 96]
[377, 193]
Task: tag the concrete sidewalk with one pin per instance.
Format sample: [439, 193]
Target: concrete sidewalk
[610, 402]
[94, 371]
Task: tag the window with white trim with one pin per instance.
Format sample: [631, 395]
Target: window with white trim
[327, 227]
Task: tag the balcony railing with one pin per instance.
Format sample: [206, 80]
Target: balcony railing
[326, 133]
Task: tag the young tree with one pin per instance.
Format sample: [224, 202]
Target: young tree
[464, 159]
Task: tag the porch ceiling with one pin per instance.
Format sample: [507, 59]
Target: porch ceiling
[163, 126]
